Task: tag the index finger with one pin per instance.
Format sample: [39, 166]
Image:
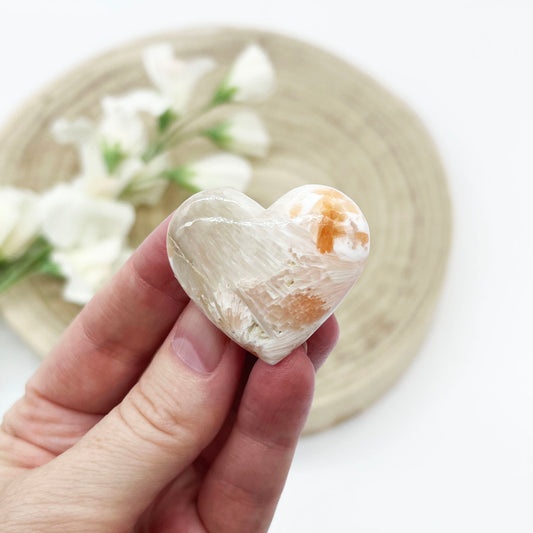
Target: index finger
[109, 344]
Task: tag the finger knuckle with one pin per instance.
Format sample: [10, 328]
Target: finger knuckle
[155, 418]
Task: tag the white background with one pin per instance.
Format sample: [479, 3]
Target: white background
[450, 448]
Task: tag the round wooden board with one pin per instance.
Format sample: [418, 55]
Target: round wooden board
[331, 124]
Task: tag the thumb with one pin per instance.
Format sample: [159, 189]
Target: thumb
[167, 418]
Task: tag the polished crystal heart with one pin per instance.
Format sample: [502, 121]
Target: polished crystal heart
[268, 278]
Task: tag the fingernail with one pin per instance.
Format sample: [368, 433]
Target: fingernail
[197, 342]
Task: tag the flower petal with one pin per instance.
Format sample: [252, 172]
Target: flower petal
[86, 269]
[220, 170]
[82, 133]
[123, 128]
[19, 221]
[145, 186]
[247, 134]
[99, 186]
[71, 219]
[175, 78]
[252, 75]
[158, 60]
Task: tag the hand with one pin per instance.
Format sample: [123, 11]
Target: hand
[145, 417]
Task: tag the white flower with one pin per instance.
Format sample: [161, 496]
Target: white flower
[86, 269]
[252, 77]
[121, 127]
[243, 133]
[173, 77]
[88, 235]
[71, 219]
[135, 181]
[119, 133]
[19, 221]
[218, 170]
[81, 133]
[143, 184]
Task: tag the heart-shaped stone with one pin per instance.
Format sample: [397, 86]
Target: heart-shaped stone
[268, 278]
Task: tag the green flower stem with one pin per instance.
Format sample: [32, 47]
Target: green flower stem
[192, 116]
[218, 134]
[223, 95]
[113, 156]
[181, 176]
[185, 136]
[167, 139]
[166, 119]
[154, 149]
[172, 141]
[134, 184]
[171, 137]
[35, 259]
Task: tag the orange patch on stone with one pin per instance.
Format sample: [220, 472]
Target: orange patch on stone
[362, 237]
[295, 210]
[300, 309]
[296, 309]
[332, 207]
[333, 194]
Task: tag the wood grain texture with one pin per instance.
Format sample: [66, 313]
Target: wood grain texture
[331, 124]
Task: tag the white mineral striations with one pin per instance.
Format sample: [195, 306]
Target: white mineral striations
[269, 277]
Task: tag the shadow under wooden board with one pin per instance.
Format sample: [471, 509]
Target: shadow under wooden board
[330, 123]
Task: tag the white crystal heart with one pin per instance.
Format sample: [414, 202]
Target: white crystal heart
[269, 277]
